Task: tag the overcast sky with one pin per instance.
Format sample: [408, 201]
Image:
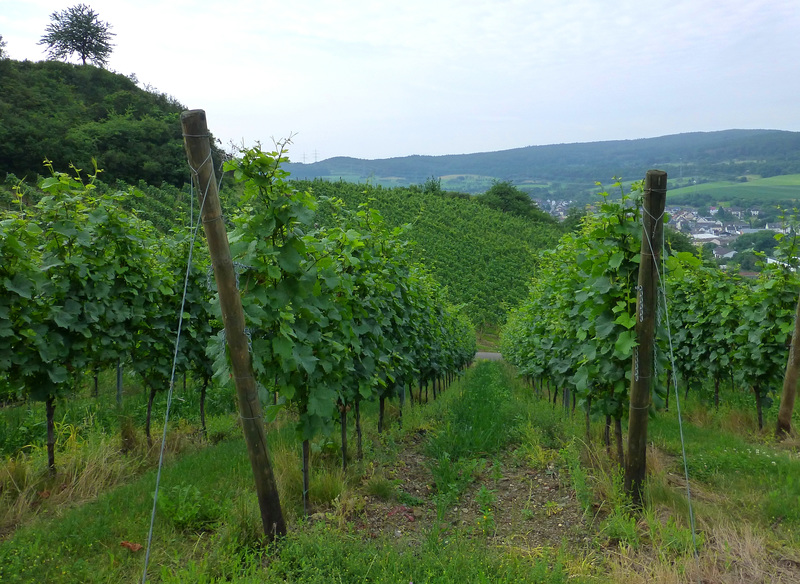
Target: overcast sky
[376, 79]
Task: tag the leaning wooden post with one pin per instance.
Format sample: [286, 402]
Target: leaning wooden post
[198, 151]
[655, 194]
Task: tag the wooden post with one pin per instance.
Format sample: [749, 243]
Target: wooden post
[655, 195]
[198, 151]
[784, 425]
[119, 383]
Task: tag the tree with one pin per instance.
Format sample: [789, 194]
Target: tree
[761, 241]
[678, 242]
[505, 197]
[2, 48]
[78, 30]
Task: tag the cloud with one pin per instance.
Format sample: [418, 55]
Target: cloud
[382, 79]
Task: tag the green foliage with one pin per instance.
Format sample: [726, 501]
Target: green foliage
[79, 307]
[505, 197]
[704, 314]
[85, 285]
[762, 339]
[482, 256]
[74, 114]
[677, 242]
[78, 30]
[188, 509]
[574, 219]
[336, 314]
[3, 44]
[760, 241]
[577, 326]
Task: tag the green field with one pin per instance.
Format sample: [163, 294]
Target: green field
[775, 188]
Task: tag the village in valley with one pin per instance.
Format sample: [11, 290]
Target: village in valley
[722, 226]
[715, 230]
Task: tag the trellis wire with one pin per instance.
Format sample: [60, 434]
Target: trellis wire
[174, 365]
[663, 290]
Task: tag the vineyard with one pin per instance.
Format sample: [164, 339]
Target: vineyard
[335, 316]
[380, 427]
[574, 333]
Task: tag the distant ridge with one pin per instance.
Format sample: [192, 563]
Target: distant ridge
[720, 155]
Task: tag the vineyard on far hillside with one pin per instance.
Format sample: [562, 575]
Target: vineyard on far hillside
[483, 256]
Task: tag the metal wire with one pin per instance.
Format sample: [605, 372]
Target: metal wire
[663, 296]
[174, 366]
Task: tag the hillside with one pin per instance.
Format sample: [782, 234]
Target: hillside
[570, 170]
[483, 256]
[74, 113]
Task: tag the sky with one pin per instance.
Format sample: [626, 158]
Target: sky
[378, 79]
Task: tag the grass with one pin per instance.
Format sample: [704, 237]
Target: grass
[486, 447]
[313, 556]
[784, 187]
[488, 339]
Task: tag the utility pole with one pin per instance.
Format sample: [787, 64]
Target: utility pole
[198, 152]
[655, 195]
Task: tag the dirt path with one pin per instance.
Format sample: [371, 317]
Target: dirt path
[485, 355]
[532, 509]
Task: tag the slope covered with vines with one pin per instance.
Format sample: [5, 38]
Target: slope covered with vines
[483, 256]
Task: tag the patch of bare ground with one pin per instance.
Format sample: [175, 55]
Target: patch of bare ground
[530, 510]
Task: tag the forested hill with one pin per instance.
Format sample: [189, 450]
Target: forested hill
[703, 155]
[73, 113]
[483, 256]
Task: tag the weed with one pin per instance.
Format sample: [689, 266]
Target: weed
[669, 539]
[552, 508]
[381, 487]
[619, 528]
[570, 455]
[497, 470]
[485, 498]
[188, 509]
[327, 485]
[782, 502]
[408, 500]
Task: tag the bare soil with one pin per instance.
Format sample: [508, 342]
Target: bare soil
[532, 509]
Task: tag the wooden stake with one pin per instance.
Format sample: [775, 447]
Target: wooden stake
[655, 195]
[790, 378]
[198, 151]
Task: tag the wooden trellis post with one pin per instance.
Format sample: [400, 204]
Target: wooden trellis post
[198, 151]
[655, 195]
